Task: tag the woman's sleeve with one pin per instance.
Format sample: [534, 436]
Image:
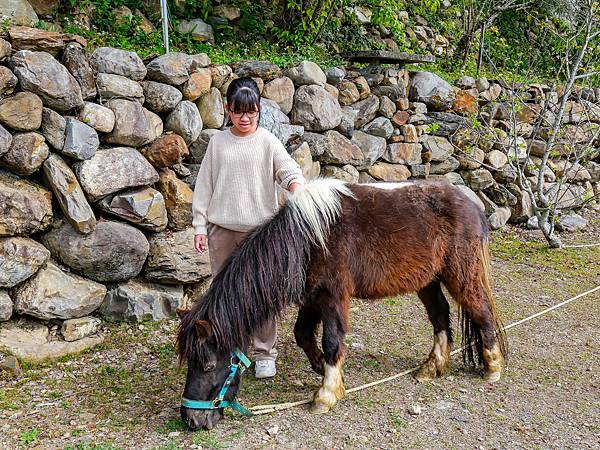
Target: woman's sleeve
[202, 193]
[287, 171]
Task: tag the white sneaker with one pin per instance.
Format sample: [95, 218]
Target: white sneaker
[265, 369]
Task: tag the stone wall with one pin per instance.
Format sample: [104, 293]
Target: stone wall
[99, 154]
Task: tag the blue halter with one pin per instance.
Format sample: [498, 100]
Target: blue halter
[242, 364]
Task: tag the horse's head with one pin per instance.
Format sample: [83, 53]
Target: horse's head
[208, 370]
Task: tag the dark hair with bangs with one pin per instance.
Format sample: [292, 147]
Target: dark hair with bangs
[243, 95]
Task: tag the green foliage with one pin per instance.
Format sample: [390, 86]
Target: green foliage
[29, 437]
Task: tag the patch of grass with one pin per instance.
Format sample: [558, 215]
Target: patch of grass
[207, 439]
[86, 446]
[29, 437]
[398, 421]
[172, 425]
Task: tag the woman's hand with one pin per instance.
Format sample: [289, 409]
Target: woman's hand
[201, 242]
[293, 187]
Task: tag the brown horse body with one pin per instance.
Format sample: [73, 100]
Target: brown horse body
[364, 241]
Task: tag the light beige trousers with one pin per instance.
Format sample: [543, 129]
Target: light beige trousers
[221, 244]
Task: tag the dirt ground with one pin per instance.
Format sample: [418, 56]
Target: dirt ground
[125, 394]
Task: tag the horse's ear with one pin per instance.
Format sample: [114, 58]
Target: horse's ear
[204, 329]
[181, 312]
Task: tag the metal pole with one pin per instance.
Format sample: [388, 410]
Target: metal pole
[164, 12]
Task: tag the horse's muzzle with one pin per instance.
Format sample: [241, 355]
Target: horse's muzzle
[199, 418]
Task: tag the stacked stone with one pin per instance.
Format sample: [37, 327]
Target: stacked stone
[99, 154]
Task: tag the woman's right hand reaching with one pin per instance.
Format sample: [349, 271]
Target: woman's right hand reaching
[201, 242]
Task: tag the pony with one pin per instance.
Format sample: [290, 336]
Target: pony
[330, 242]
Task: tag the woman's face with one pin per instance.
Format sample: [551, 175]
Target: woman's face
[244, 122]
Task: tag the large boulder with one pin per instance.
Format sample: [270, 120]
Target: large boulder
[198, 84]
[25, 207]
[259, 69]
[280, 90]
[432, 90]
[160, 97]
[274, 120]
[5, 140]
[114, 251]
[178, 199]
[128, 168]
[99, 117]
[81, 140]
[172, 260]
[137, 301]
[117, 86]
[79, 328]
[367, 110]
[69, 194]
[26, 154]
[18, 12]
[389, 172]
[21, 112]
[53, 127]
[439, 147]
[380, 126]
[144, 207]
[211, 109]
[54, 294]
[185, 120]
[119, 62]
[171, 68]
[403, 153]
[6, 306]
[20, 258]
[134, 125]
[198, 148]
[75, 60]
[306, 73]
[315, 109]
[199, 30]
[338, 149]
[371, 146]
[30, 341]
[166, 151]
[43, 75]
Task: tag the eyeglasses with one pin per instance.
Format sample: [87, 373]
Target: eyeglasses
[239, 114]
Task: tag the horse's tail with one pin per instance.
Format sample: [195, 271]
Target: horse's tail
[268, 271]
[471, 333]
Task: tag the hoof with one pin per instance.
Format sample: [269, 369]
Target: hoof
[428, 371]
[319, 408]
[492, 377]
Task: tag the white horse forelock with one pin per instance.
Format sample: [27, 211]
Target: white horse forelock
[318, 206]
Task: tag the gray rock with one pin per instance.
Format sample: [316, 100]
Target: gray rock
[211, 109]
[25, 207]
[198, 147]
[172, 260]
[81, 140]
[465, 82]
[478, 179]
[280, 90]
[387, 107]
[20, 258]
[304, 159]
[471, 195]
[54, 294]
[128, 168]
[506, 174]
[144, 207]
[69, 194]
[403, 153]
[119, 62]
[21, 112]
[8, 80]
[171, 68]
[490, 206]
[380, 126]
[371, 146]
[420, 170]
[367, 110]
[43, 75]
[53, 128]
[432, 90]
[337, 149]
[18, 12]
[159, 97]
[200, 30]
[418, 107]
[347, 93]
[274, 120]
[99, 117]
[29, 341]
[395, 92]
[136, 301]
[6, 306]
[496, 159]
[306, 73]
[470, 159]
[500, 195]
[315, 109]
[185, 121]
[75, 329]
[134, 125]
[567, 195]
[346, 173]
[26, 154]
[114, 251]
[178, 199]
[346, 126]
[5, 49]
[570, 223]
[592, 167]
[117, 86]
[259, 69]
[389, 172]
[441, 168]
[482, 84]
[522, 210]
[567, 170]
[199, 61]
[335, 75]
[532, 223]
[76, 62]
[5, 140]
[439, 147]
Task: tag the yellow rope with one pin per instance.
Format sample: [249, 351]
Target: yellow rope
[267, 409]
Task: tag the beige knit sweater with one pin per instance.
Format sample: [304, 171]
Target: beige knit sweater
[235, 188]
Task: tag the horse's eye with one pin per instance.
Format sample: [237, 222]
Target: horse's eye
[210, 367]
